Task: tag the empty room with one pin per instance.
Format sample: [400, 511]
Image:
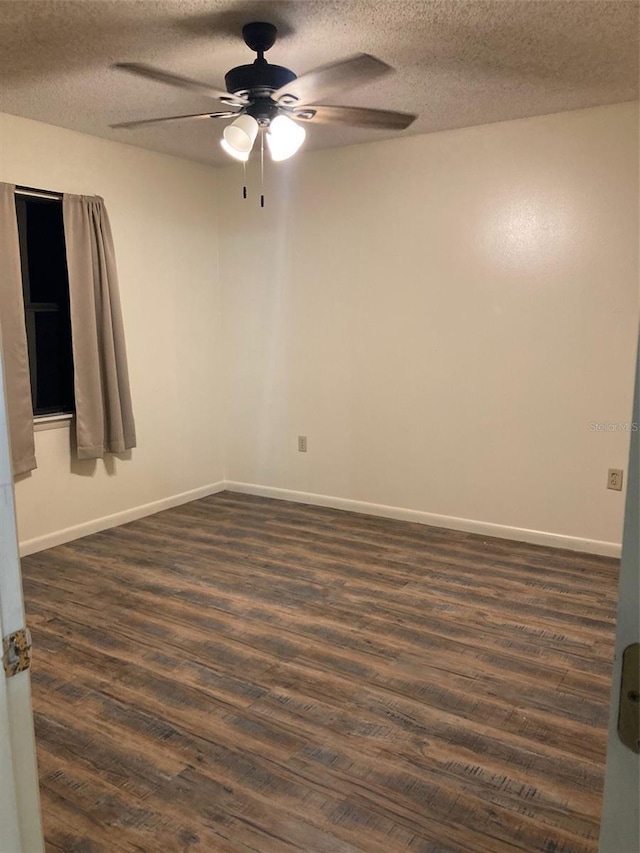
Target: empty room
[319, 426]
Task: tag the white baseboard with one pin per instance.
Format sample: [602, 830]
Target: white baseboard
[484, 528]
[59, 537]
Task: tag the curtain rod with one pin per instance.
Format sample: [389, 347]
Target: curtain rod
[34, 193]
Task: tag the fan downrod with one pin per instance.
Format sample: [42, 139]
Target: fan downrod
[259, 36]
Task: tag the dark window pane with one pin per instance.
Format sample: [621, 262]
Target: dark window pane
[46, 296]
[51, 376]
[47, 264]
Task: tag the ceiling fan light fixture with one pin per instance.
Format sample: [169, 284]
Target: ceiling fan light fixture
[240, 136]
[273, 98]
[284, 137]
[243, 156]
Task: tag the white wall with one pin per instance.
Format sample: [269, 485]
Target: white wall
[163, 216]
[443, 316]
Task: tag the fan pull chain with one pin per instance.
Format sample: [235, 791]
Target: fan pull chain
[262, 167]
[244, 179]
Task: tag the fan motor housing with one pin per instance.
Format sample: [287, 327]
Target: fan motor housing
[258, 79]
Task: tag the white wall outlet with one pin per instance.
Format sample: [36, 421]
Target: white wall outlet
[302, 443]
[614, 480]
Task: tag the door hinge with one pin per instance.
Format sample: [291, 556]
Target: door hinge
[629, 714]
[16, 652]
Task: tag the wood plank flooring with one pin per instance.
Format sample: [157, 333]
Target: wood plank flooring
[241, 674]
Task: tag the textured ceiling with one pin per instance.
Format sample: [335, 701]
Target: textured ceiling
[459, 62]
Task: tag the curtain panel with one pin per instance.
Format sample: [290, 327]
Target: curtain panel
[14, 338]
[104, 415]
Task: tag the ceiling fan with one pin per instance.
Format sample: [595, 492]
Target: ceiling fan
[272, 98]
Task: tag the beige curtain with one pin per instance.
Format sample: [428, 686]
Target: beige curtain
[104, 417]
[14, 338]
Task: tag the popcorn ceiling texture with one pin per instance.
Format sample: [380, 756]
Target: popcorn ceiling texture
[458, 62]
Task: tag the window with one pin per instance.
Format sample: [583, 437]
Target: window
[46, 303]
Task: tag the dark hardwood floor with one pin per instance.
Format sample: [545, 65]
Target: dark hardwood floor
[242, 674]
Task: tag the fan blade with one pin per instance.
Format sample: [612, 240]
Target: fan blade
[332, 79]
[358, 116]
[181, 82]
[129, 124]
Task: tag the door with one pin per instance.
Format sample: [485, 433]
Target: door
[620, 829]
[20, 825]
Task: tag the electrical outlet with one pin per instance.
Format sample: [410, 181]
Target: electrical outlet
[302, 443]
[614, 480]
